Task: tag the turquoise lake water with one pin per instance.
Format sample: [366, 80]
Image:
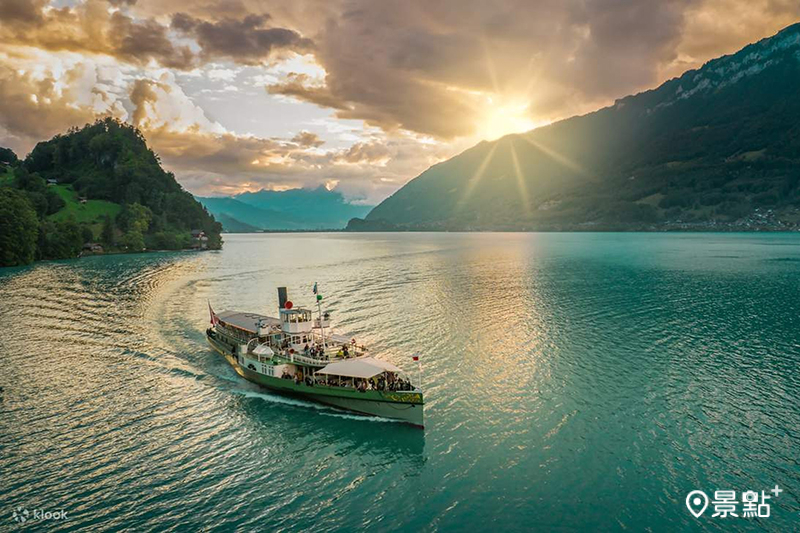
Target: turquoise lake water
[574, 382]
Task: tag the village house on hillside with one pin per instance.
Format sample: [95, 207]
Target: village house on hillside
[92, 248]
[199, 240]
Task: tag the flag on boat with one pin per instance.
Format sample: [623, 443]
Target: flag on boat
[214, 319]
[415, 357]
[315, 287]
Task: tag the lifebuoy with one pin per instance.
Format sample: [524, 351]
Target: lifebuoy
[288, 304]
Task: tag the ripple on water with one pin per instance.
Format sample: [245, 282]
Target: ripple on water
[560, 370]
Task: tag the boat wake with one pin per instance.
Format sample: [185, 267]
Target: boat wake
[323, 409]
[363, 418]
[274, 398]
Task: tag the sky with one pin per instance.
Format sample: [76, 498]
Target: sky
[360, 96]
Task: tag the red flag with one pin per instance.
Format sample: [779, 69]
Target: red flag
[415, 357]
[214, 319]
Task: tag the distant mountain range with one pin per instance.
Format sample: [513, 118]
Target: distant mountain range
[717, 148]
[295, 209]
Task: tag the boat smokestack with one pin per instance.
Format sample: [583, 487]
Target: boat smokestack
[282, 297]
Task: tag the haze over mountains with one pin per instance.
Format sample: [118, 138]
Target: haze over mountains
[295, 209]
[718, 147]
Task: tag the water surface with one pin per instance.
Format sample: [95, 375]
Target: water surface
[573, 382]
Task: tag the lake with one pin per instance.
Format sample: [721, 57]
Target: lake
[574, 382]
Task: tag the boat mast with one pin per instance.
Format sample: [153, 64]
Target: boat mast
[319, 309]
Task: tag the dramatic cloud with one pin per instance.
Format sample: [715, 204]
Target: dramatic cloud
[444, 68]
[37, 103]
[451, 68]
[236, 95]
[91, 28]
[245, 41]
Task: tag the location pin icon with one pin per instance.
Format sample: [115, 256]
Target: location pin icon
[697, 502]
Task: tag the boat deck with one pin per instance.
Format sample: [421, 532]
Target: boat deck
[247, 321]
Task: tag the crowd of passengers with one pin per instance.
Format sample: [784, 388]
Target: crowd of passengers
[383, 382]
[317, 351]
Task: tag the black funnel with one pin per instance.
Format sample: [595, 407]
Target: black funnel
[282, 297]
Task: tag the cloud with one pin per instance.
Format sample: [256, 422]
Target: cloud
[21, 11]
[146, 40]
[426, 78]
[37, 103]
[441, 68]
[90, 27]
[366, 152]
[308, 139]
[162, 104]
[429, 67]
[246, 41]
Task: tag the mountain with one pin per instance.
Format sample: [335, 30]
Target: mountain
[295, 209]
[232, 212]
[718, 147]
[97, 183]
[232, 225]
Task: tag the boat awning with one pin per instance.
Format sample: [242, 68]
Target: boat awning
[386, 366]
[263, 349]
[365, 367]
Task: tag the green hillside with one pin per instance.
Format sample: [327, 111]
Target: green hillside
[89, 212]
[717, 148]
[97, 183]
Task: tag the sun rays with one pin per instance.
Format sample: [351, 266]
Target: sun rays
[476, 177]
[557, 157]
[523, 188]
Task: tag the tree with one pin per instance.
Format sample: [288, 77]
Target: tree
[19, 228]
[87, 234]
[110, 160]
[107, 234]
[133, 240]
[7, 155]
[135, 217]
[60, 240]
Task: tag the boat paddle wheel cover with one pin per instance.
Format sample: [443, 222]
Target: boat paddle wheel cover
[288, 304]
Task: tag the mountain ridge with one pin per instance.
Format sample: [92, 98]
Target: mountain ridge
[293, 209]
[713, 148]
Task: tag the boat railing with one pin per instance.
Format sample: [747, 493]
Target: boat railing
[304, 359]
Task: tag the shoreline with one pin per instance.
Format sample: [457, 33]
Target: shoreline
[84, 256]
[703, 229]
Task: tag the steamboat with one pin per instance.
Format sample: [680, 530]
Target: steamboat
[297, 354]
